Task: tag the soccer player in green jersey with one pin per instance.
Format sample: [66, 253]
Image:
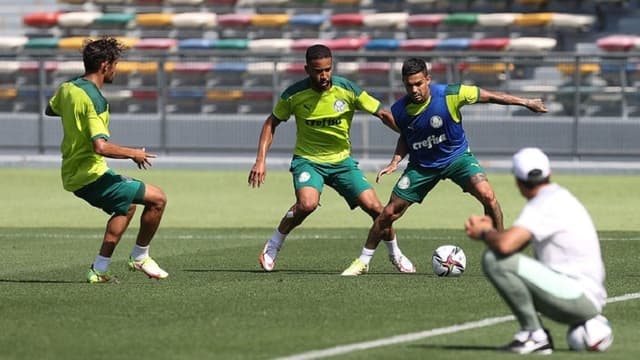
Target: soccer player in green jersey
[323, 106]
[431, 132]
[85, 144]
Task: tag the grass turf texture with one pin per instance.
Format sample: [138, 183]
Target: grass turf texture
[218, 304]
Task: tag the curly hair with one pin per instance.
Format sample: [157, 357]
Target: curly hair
[95, 52]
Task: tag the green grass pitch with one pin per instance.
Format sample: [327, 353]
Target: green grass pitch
[217, 304]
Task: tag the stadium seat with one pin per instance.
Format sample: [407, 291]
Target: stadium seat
[496, 19]
[234, 20]
[397, 20]
[41, 19]
[270, 45]
[228, 73]
[156, 44]
[531, 44]
[222, 101]
[185, 2]
[155, 20]
[418, 44]
[185, 101]
[453, 44]
[269, 20]
[13, 42]
[194, 20]
[489, 44]
[569, 69]
[42, 43]
[110, 2]
[231, 44]
[8, 94]
[201, 44]
[114, 19]
[70, 68]
[572, 21]
[619, 42]
[533, 19]
[78, 19]
[461, 19]
[303, 44]
[347, 20]
[189, 73]
[425, 20]
[349, 43]
[9, 67]
[382, 44]
[374, 73]
[72, 42]
[256, 102]
[308, 20]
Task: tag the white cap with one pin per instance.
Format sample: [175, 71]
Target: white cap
[531, 164]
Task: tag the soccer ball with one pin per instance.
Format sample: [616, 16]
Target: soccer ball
[448, 260]
[593, 335]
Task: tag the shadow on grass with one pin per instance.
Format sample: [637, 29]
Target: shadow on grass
[29, 281]
[459, 347]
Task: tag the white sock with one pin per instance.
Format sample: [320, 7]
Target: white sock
[539, 335]
[393, 248]
[139, 252]
[101, 263]
[366, 255]
[277, 239]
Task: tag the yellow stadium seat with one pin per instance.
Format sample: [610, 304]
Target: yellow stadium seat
[219, 95]
[72, 43]
[154, 19]
[569, 69]
[127, 67]
[269, 20]
[8, 93]
[533, 19]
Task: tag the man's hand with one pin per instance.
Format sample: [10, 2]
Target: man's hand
[257, 174]
[536, 105]
[142, 158]
[476, 225]
[392, 167]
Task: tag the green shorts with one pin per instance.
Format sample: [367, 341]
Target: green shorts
[113, 193]
[345, 177]
[416, 181]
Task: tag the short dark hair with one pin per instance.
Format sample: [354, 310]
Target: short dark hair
[413, 66]
[95, 52]
[534, 181]
[316, 52]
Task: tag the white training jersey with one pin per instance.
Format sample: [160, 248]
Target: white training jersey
[565, 239]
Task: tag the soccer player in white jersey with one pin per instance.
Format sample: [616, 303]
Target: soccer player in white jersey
[565, 279]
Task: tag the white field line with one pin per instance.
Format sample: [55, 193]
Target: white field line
[398, 339]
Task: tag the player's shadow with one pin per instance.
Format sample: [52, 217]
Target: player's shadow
[37, 281]
[457, 347]
[293, 272]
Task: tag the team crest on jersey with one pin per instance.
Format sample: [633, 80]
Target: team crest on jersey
[435, 121]
[404, 183]
[304, 177]
[339, 105]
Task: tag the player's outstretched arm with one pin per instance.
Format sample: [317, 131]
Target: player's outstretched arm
[258, 172]
[387, 119]
[535, 105]
[107, 149]
[400, 152]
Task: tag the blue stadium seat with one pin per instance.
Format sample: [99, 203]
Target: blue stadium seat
[382, 44]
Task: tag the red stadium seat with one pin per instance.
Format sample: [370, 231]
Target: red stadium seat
[490, 44]
[349, 19]
[351, 43]
[618, 42]
[425, 20]
[234, 20]
[418, 44]
[41, 20]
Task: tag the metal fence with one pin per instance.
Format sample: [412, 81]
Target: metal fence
[215, 102]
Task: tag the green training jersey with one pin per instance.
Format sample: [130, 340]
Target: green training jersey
[323, 119]
[85, 117]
